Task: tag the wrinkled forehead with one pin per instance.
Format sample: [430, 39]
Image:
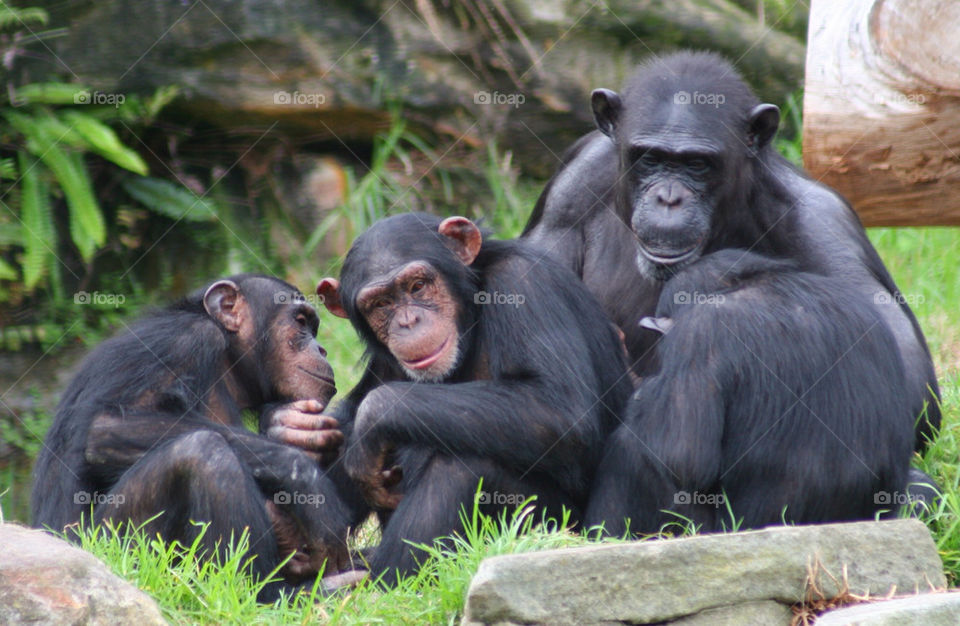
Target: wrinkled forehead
[685, 123]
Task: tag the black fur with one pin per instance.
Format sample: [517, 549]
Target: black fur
[761, 203]
[536, 391]
[779, 398]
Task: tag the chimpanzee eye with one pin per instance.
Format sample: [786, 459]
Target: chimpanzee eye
[417, 285]
[381, 303]
[649, 159]
[302, 319]
[698, 165]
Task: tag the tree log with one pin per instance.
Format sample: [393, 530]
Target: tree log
[882, 107]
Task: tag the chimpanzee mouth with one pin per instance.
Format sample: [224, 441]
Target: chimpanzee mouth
[320, 377]
[427, 361]
[669, 257]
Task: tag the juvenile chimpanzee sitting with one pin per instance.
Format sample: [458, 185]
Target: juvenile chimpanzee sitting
[153, 423]
[486, 361]
[812, 426]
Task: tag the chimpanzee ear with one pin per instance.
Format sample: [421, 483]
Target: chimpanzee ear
[224, 303]
[764, 121]
[606, 110]
[661, 325]
[465, 235]
[329, 291]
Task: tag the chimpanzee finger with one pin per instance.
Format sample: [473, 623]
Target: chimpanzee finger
[308, 440]
[291, 418]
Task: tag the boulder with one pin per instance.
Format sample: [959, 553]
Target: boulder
[656, 581]
[45, 580]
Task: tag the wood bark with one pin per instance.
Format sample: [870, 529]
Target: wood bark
[882, 107]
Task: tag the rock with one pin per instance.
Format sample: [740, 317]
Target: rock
[46, 580]
[324, 72]
[932, 609]
[763, 613]
[654, 581]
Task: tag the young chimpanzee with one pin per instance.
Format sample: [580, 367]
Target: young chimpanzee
[486, 361]
[780, 397]
[153, 423]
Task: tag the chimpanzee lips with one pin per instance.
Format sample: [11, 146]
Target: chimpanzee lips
[318, 376]
[669, 257]
[427, 361]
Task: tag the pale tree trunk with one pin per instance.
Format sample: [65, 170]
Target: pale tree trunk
[882, 107]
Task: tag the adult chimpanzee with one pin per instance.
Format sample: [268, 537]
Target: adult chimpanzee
[153, 423]
[813, 426]
[682, 166]
[485, 362]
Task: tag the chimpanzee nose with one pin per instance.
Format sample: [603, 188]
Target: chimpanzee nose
[669, 195]
[407, 319]
[323, 352]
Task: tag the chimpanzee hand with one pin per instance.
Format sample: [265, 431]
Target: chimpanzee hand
[302, 425]
[367, 460]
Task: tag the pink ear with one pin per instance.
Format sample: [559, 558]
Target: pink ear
[223, 302]
[465, 235]
[329, 291]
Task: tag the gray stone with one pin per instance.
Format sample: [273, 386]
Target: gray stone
[655, 581]
[762, 613]
[932, 609]
[45, 580]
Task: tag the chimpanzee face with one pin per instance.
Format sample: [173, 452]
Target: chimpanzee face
[406, 301]
[413, 314]
[271, 322]
[684, 164]
[296, 363]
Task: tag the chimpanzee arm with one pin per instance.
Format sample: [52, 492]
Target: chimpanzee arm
[512, 423]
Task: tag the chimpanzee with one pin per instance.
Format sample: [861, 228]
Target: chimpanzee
[486, 361]
[153, 423]
[682, 165]
[779, 398]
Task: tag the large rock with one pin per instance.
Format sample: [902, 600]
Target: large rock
[45, 580]
[932, 609]
[325, 69]
[656, 581]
